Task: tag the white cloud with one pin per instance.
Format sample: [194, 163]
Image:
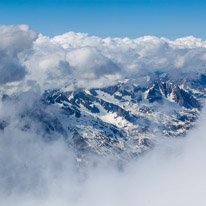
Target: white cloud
[79, 59]
[13, 41]
[91, 58]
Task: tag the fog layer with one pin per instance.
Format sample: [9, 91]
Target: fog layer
[37, 172]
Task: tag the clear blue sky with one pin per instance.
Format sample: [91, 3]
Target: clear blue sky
[116, 18]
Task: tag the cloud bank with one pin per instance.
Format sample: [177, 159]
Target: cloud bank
[90, 58]
[76, 60]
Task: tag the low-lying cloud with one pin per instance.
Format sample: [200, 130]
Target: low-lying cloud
[37, 172]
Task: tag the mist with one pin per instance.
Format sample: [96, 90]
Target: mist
[37, 172]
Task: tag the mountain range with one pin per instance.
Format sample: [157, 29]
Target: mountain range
[122, 120]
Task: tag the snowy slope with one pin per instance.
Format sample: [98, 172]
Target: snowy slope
[124, 119]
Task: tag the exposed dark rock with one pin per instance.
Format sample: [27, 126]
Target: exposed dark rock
[79, 142]
[111, 90]
[185, 99]
[154, 94]
[3, 125]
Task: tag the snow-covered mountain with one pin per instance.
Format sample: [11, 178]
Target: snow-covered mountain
[123, 119]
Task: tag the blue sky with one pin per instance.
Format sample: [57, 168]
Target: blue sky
[116, 18]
